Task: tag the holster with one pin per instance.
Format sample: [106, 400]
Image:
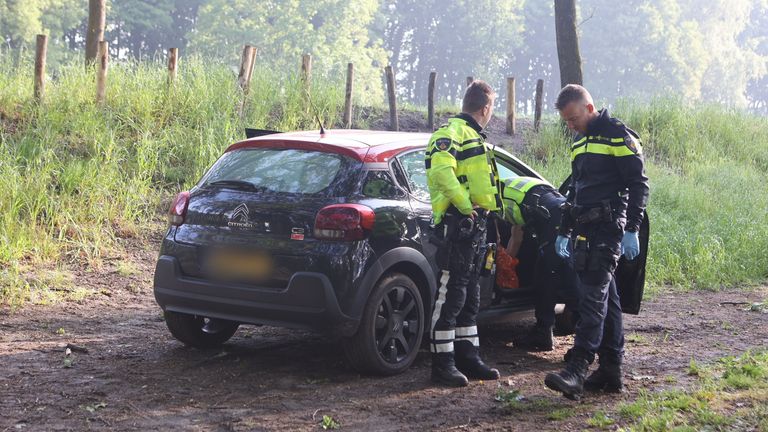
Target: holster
[582, 215]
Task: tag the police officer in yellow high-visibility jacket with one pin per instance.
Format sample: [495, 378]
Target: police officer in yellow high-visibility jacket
[464, 187]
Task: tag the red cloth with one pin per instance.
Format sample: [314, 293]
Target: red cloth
[506, 273]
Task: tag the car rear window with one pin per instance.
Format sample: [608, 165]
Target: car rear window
[291, 171]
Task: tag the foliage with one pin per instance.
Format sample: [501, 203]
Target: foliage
[75, 177]
[285, 30]
[732, 394]
[707, 167]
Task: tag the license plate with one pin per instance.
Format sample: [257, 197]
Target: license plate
[239, 265]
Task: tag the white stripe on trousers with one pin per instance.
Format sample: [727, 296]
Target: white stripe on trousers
[436, 314]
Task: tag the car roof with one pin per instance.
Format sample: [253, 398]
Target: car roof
[362, 145]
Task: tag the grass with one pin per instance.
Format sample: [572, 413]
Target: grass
[75, 176]
[708, 167]
[731, 394]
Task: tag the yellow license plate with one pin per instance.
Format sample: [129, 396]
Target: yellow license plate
[239, 265]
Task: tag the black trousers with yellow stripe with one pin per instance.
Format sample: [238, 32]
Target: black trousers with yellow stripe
[454, 316]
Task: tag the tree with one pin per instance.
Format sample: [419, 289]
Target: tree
[568, 43]
[284, 30]
[97, 13]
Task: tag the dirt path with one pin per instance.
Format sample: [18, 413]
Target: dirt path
[135, 376]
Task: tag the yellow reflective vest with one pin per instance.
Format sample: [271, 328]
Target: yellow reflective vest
[461, 170]
[513, 193]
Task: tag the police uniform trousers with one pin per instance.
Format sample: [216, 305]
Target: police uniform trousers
[554, 276]
[454, 316]
[599, 329]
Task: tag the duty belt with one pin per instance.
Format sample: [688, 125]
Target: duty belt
[585, 215]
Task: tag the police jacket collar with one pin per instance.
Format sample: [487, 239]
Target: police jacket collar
[599, 123]
[472, 123]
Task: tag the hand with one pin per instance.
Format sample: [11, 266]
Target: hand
[561, 246]
[630, 245]
[473, 215]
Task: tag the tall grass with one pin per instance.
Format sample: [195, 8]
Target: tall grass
[74, 176]
[708, 170]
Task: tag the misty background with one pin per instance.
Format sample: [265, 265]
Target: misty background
[713, 51]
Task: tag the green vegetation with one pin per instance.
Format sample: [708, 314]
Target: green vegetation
[708, 167]
[76, 176]
[732, 394]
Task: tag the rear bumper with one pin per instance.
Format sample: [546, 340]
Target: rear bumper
[308, 301]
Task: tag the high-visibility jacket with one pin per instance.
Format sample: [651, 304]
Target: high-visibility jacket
[513, 192]
[461, 169]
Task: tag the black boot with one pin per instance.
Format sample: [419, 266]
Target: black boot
[469, 363]
[538, 339]
[607, 377]
[444, 371]
[569, 381]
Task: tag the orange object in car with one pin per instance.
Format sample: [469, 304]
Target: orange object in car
[506, 270]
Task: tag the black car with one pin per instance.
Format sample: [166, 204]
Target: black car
[328, 232]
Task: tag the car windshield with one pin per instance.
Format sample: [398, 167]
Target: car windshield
[291, 171]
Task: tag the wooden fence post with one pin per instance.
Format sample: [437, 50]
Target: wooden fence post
[470, 79]
[393, 122]
[173, 58]
[40, 55]
[306, 70]
[245, 62]
[251, 64]
[431, 101]
[537, 108]
[102, 64]
[348, 96]
[511, 105]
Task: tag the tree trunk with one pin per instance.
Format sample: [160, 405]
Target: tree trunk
[567, 43]
[97, 17]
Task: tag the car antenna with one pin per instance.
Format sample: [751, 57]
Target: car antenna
[314, 110]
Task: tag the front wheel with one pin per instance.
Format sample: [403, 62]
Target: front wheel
[390, 332]
[198, 331]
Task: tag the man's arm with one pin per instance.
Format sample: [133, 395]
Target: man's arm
[632, 169]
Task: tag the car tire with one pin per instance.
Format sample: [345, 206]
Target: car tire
[198, 331]
[391, 329]
[565, 323]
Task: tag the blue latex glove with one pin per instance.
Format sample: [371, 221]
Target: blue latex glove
[561, 246]
[630, 245]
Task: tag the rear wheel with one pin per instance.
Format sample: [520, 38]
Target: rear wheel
[198, 331]
[391, 329]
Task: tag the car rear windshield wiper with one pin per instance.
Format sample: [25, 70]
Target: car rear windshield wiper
[238, 184]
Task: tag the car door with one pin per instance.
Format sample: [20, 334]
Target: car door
[630, 275]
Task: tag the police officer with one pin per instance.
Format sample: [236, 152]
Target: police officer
[608, 194]
[463, 186]
[535, 204]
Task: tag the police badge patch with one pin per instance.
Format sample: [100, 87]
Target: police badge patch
[631, 143]
[443, 144]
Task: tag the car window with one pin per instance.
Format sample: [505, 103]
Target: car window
[379, 184]
[413, 164]
[285, 170]
[506, 171]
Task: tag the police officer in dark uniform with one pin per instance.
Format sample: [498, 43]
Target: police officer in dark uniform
[607, 198]
[534, 204]
[463, 186]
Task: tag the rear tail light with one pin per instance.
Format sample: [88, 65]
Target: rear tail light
[178, 210]
[344, 222]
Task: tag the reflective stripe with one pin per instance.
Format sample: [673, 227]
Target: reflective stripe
[604, 149]
[443, 335]
[466, 331]
[473, 339]
[442, 347]
[470, 141]
[440, 298]
[471, 152]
